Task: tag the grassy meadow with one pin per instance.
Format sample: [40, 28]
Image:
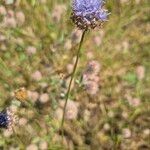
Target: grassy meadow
[38, 45]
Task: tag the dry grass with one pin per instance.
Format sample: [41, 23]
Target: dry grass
[123, 48]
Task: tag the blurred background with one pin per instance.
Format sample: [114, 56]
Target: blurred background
[38, 43]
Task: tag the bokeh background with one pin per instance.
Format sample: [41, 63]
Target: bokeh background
[38, 43]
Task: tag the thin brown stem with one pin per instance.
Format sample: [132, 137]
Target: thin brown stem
[72, 76]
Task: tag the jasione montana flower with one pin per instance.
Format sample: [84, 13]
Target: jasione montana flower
[88, 13]
[7, 119]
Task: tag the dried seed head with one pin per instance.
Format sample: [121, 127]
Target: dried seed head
[21, 94]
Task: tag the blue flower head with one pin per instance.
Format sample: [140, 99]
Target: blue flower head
[7, 119]
[88, 13]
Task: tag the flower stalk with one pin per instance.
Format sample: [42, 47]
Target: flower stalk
[72, 77]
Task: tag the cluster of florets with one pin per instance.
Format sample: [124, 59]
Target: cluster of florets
[91, 77]
[71, 112]
[88, 14]
[7, 119]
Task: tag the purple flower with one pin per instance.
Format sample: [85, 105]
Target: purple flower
[88, 13]
[7, 119]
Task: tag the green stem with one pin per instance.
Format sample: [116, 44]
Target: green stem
[72, 76]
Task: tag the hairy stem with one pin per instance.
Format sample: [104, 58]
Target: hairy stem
[72, 76]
